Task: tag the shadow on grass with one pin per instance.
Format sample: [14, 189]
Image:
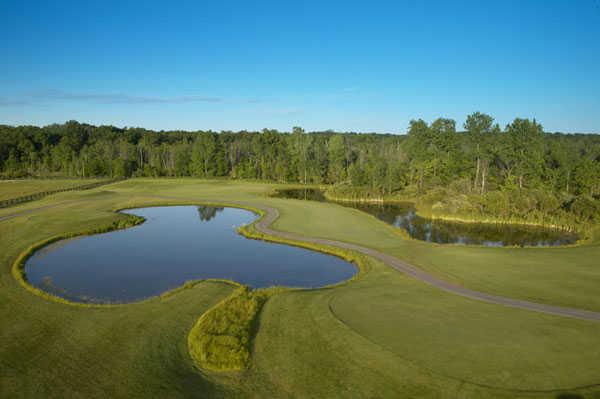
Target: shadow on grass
[569, 395]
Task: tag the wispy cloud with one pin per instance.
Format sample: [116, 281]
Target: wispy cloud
[54, 95]
[8, 102]
[112, 98]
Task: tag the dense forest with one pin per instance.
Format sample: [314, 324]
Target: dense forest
[515, 171]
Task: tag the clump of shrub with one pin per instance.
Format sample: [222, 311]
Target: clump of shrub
[348, 192]
[130, 221]
[585, 208]
[535, 206]
[221, 338]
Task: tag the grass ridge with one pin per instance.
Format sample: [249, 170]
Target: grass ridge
[36, 196]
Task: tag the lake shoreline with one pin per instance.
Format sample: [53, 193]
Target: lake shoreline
[451, 221]
[84, 270]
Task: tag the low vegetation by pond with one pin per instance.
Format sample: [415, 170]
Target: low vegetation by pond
[404, 216]
[221, 338]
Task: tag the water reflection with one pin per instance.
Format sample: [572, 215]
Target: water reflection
[404, 216]
[207, 213]
[175, 245]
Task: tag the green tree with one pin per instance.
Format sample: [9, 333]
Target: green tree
[302, 143]
[443, 148]
[203, 152]
[586, 177]
[479, 127]
[418, 145]
[336, 148]
[526, 148]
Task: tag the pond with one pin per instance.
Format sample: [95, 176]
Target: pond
[404, 216]
[174, 245]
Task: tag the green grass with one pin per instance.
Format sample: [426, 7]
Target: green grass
[20, 188]
[567, 276]
[220, 339]
[380, 335]
[400, 339]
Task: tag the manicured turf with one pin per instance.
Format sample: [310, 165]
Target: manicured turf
[19, 188]
[559, 276]
[383, 335]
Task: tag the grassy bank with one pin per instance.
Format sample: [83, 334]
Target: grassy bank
[15, 192]
[23, 187]
[430, 212]
[427, 212]
[19, 264]
[221, 338]
[519, 207]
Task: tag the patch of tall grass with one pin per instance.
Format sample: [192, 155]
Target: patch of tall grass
[221, 338]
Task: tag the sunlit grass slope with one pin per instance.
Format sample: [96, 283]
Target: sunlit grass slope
[388, 336]
[19, 188]
[568, 276]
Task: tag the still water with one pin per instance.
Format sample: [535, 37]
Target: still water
[174, 245]
[404, 216]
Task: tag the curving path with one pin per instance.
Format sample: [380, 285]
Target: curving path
[271, 214]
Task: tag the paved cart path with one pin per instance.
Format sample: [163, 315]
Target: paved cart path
[271, 214]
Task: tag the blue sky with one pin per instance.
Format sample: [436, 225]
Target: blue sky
[351, 66]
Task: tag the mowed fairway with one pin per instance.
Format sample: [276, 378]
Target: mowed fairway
[382, 335]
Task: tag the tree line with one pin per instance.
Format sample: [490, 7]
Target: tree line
[482, 157]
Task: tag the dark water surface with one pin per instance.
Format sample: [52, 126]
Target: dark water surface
[174, 245]
[404, 216]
